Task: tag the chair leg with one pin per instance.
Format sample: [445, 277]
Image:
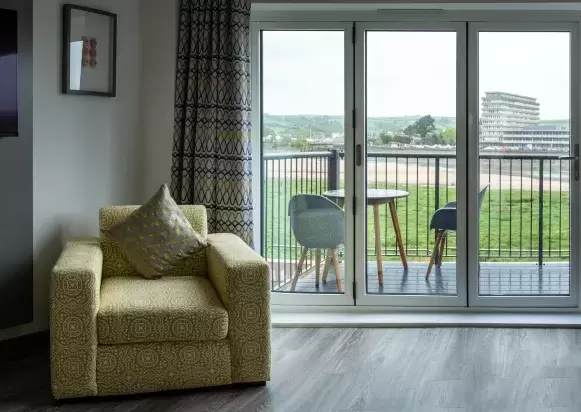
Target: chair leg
[328, 260]
[317, 267]
[441, 251]
[337, 271]
[438, 240]
[299, 268]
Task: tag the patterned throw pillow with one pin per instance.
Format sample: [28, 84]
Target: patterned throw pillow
[157, 236]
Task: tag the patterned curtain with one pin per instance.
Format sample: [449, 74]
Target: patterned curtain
[211, 148]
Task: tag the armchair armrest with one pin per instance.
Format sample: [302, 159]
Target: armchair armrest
[74, 302]
[242, 279]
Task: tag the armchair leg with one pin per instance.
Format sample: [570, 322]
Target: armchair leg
[328, 260]
[299, 268]
[432, 258]
[317, 267]
[441, 251]
[337, 271]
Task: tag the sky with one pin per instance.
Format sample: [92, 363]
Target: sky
[411, 73]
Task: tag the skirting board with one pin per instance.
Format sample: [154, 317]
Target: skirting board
[416, 320]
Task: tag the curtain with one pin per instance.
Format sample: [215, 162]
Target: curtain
[212, 156]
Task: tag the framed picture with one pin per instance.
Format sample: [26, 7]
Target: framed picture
[89, 51]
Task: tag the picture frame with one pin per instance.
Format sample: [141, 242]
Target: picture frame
[89, 51]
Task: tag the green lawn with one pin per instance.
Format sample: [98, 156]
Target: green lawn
[509, 222]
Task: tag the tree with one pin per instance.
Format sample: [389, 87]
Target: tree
[385, 138]
[301, 144]
[402, 139]
[425, 125]
[449, 136]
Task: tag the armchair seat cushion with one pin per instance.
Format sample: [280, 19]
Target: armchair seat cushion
[172, 308]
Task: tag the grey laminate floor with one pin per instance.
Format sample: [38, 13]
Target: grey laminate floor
[432, 370]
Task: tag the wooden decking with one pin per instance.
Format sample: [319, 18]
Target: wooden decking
[496, 279]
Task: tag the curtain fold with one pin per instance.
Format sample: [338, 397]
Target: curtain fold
[212, 155]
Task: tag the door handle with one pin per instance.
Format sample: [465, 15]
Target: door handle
[575, 159]
[358, 159]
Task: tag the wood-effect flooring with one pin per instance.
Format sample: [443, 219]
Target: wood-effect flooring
[430, 369]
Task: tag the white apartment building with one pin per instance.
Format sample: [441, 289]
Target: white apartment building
[511, 121]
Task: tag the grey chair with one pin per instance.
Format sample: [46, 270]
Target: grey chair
[317, 223]
[444, 220]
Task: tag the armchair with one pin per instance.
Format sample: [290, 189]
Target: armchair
[114, 332]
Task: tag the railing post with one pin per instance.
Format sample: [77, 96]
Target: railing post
[541, 178]
[437, 184]
[333, 170]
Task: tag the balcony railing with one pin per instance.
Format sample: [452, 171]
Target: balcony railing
[524, 217]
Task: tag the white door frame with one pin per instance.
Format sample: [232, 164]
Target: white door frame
[474, 165]
[307, 299]
[360, 171]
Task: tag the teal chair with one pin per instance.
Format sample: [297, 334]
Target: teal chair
[443, 221]
[317, 223]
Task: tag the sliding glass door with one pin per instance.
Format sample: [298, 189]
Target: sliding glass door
[524, 146]
[410, 115]
[304, 86]
[418, 164]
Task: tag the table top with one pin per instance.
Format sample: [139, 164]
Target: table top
[373, 195]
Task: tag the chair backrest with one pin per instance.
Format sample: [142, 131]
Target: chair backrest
[316, 222]
[481, 197]
[304, 202]
[115, 264]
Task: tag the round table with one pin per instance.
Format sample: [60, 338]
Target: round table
[375, 198]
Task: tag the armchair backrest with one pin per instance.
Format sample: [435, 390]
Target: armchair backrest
[114, 264]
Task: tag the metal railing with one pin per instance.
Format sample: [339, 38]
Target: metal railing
[524, 216]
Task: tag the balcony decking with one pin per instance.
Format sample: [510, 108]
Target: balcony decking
[496, 279]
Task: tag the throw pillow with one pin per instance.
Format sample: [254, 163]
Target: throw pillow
[157, 236]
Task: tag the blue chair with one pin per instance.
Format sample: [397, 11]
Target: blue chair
[444, 220]
[317, 223]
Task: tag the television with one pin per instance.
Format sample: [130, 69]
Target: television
[8, 73]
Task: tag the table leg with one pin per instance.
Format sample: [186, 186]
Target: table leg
[396, 228]
[378, 250]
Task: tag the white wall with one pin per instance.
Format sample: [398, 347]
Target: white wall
[159, 28]
[86, 150]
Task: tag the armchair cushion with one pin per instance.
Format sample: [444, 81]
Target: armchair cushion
[177, 308]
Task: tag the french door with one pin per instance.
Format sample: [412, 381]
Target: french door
[410, 80]
[450, 149]
[524, 149]
[303, 103]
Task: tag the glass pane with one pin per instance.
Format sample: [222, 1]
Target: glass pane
[302, 140]
[524, 83]
[411, 162]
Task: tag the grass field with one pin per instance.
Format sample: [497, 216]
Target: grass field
[509, 222]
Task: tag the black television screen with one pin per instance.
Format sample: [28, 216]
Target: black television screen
[8, 73]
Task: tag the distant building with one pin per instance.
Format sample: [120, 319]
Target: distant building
[511, 121]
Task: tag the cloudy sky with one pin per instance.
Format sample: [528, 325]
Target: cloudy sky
[411, 73]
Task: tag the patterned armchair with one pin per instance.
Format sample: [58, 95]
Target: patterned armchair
[114, 332]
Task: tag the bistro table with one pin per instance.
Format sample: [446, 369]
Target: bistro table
[375, 198]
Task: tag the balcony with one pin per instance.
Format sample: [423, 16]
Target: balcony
[524, 223]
